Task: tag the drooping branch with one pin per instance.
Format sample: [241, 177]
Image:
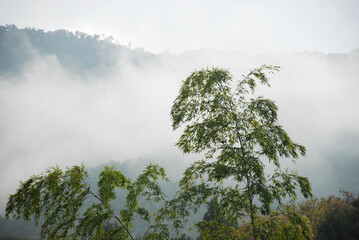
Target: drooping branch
[113, 213]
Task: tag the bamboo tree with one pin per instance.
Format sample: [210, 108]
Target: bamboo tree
[56, 200]
[239, 135]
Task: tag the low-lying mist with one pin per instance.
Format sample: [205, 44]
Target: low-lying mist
[52, 115]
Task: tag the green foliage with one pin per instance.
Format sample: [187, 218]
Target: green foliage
[333, 217]
[214, 213]
[236, 131]
[214, 223]
[55, 198]
[285, 224]
[217, 231]
[162, 235]
[110, 179]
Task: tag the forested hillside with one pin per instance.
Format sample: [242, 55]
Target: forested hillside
[78, 52]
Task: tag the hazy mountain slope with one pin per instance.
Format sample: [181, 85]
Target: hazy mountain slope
[78, 52]
[69, 98]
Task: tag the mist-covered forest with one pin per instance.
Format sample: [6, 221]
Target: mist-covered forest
[70, 98]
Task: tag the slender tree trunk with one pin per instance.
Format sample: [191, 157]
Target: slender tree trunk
[251, 208]
[249, 187]
[242, 152]
[252, 219]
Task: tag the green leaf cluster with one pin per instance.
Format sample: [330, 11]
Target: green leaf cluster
[285, 224]
[55, 200]
[236, 131]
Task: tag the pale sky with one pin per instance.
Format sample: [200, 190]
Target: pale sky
[258, 26]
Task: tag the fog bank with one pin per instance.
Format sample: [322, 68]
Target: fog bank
[51, 114]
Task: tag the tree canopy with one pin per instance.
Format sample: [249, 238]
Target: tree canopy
[55, 199]
[236, 131]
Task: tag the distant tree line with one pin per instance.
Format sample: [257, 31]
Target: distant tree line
[334, 217]
[13, 229]
[78, 52]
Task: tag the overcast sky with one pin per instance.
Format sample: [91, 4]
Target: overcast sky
[258, 26]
